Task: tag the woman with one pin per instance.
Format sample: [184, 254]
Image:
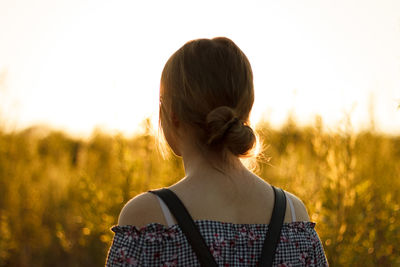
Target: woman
[206, 96]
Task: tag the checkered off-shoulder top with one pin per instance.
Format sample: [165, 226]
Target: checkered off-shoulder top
[231, 244]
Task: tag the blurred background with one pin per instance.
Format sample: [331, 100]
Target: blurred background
[79, 85]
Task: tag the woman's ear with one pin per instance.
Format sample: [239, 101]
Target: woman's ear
[172, 133]
[174, 119]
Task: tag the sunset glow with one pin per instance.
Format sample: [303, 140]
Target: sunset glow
[80, 64]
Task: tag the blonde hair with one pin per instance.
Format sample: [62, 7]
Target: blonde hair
[208, 85]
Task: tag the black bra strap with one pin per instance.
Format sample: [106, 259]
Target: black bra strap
[187, 225]
[274, 228]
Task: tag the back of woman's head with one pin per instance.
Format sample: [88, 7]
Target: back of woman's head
[208, 85]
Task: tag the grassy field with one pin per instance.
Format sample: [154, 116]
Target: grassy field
[60, 196]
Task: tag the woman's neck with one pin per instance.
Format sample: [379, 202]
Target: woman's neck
[210, 167]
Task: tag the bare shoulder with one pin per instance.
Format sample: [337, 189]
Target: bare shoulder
[141, 210]
[299, 208]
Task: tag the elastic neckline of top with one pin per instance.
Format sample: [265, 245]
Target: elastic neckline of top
[285, 224]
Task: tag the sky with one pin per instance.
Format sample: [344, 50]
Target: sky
[79, 64]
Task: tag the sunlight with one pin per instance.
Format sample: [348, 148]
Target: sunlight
[97, 64]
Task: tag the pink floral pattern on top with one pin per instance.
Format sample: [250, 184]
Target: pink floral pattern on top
[230, 244]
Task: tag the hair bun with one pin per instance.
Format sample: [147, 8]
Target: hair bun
[225, 129]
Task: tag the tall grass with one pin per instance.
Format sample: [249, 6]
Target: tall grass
[59, 196]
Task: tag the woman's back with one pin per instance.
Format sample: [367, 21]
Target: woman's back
[234, 232]
[245, 199]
